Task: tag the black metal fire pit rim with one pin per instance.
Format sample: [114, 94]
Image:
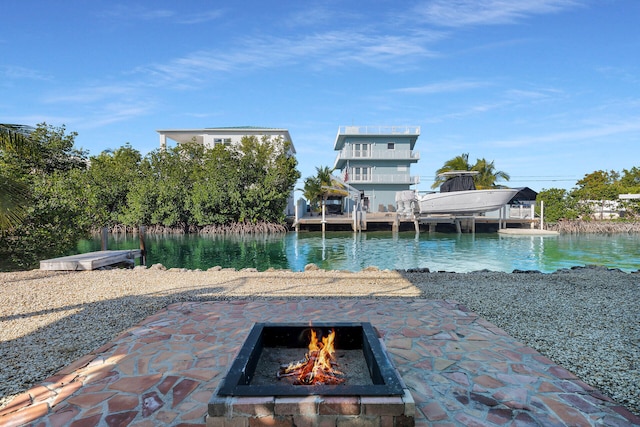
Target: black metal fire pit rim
[238, 379]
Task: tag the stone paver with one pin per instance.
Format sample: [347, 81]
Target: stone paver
[460, 369]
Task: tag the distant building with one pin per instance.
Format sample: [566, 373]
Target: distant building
[521, 206]
[377, 161]
[227, 136]
[223, 135]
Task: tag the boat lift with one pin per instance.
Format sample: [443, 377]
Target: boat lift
[341, 188]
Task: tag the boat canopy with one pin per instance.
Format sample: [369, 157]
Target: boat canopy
[340, 188]
[458, 181]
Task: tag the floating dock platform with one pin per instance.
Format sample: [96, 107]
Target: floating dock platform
[91, 260]
[527, 232]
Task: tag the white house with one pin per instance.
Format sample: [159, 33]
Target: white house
[228, 136]
[222, 135]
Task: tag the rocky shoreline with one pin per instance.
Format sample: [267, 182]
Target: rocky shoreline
[585, 319]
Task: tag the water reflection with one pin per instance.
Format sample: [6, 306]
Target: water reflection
[385, 250]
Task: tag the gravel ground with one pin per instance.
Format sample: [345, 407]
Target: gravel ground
[585, 319]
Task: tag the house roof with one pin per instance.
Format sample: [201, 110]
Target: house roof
[524, 193]
[410, 132]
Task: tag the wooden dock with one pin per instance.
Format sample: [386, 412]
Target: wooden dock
[395, 222]
[347, 222]
[91, 260]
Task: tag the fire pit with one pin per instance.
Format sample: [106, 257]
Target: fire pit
[277, 377]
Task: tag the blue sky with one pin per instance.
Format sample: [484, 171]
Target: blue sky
[547, 89]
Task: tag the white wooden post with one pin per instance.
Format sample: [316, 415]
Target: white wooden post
[504, 216]
[533, 214]
[323, 217]
[324, 222]
[355, 217]
[541, 214]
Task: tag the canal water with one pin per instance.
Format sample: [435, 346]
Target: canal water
[458, 253]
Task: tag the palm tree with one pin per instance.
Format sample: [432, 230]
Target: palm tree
[458, 163]
[312, 190]
[486, 177]
[313, 186]
[487, 174]
[13, 194]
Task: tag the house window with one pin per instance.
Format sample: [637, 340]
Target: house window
[391, 146]
[217, 140]
[361, 150]
[362, 173]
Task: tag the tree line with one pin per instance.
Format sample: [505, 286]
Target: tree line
[560, 204]
[53, 194]
[595, 187]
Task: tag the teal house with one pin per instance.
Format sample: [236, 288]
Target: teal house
[376, 160]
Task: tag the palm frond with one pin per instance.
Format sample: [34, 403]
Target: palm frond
[13, 197]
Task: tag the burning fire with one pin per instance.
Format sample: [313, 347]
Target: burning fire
[318, 364]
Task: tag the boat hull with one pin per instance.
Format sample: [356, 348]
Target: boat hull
[465, 202]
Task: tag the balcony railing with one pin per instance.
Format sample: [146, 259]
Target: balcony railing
[348, 154]
[383, 179]
[379, 130]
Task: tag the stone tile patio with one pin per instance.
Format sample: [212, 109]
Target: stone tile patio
[461, 370]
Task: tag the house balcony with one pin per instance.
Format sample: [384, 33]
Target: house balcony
[391, 155]
[379, 155]
[384, 179]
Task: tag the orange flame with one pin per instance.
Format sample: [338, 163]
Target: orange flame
[318, 366]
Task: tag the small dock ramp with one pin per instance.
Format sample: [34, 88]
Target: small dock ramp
[91, 260]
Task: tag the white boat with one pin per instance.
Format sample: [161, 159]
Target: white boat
[458, 196]
[465, 202]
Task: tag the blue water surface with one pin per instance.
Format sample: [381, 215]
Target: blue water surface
[355, 251]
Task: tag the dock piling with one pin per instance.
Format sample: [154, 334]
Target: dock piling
[143, 246]
[104, 238]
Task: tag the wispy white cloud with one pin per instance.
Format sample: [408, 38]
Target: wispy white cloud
[315, 51]
[99, 105]
[503, 99]
[135, 12]
[90, 94]
[444, 86]
[528, 94]
[81, 120]
[130, 12]
[619, 73]
[114, 113]
[198, 18]
[313, 15]
[459, 13]
[598, 131]
[13, 72]
[476, 109]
